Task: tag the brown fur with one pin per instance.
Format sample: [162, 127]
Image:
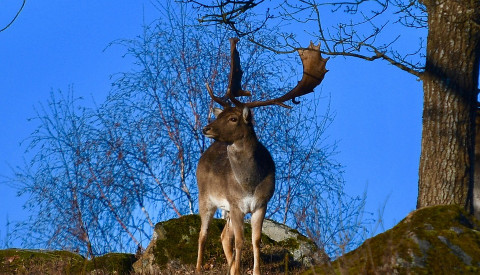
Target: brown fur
[237, 174]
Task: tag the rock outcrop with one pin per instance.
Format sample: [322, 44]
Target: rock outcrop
[303, 250]
[174, 247]
[433, 240]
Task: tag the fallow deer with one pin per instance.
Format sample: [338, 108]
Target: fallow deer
[237, 173]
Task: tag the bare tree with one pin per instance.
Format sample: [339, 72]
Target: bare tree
[448, 65]
[71, 202]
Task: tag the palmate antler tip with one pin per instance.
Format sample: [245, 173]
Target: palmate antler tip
[313, 73]
[313, 46]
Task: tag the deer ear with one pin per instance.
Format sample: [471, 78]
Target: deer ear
[217, 111]
[247, 114]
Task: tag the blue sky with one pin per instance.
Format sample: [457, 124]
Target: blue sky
[51, 46]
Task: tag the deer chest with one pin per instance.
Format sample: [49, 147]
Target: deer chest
[246, 204]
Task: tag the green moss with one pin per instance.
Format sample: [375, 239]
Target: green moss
[451, 233]
[432, 240]
[24, 261]
[19, 261]
[112, 263]
[290, 244]
[179, 240]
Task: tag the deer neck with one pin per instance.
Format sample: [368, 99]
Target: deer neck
[241, 155]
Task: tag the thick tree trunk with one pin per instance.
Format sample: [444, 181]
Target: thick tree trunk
[446, 171]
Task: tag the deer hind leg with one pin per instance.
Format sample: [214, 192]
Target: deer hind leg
[257, 222]
[227, 240]
[237, 228]
[206, 215]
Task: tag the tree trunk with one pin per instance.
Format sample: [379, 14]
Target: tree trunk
[450, 85]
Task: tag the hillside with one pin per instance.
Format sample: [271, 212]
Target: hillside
[433, 240]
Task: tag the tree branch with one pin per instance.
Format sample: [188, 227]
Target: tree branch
[14, 18]
[359, 38]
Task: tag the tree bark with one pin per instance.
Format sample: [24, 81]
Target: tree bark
[450, 85]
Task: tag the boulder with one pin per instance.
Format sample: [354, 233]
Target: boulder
[302, 249]
[441, 239]
[173, 248]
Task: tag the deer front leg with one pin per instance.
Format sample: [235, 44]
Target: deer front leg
[227, 240]
[257, 222]
[237, 226]
[206, 215]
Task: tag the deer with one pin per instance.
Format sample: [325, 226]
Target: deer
[237, 173]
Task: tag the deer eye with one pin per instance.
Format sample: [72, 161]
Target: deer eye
[233, 119]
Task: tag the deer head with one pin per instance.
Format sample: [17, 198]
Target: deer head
[313, 73]
[230, 124]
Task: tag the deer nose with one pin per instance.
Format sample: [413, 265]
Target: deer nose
[206, 129]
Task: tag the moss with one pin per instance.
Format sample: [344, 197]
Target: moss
[180, 240]
[24, 261]
[451, 233]
[20, 261]
[432, 240]
[290, 244]
[112, 263]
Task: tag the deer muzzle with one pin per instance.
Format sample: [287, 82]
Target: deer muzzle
[207, 131]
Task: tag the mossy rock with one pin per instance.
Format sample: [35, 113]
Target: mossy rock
[175, 243]
[302, 249]
[441, 239]
[112, 263]
[24, 261]
[178, 240]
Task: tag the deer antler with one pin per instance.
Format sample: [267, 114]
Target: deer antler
[220, 100]
[313, 73]
[236, 73]
[234, 80]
